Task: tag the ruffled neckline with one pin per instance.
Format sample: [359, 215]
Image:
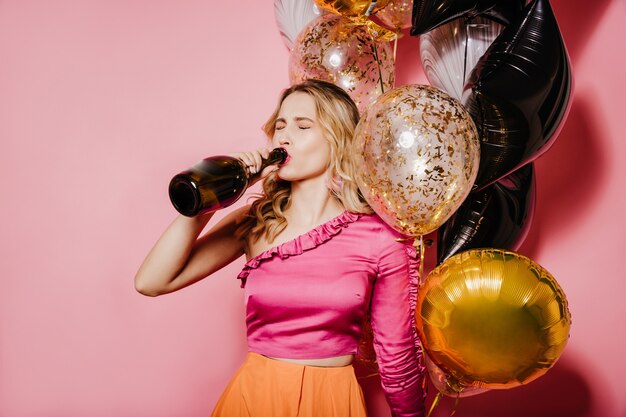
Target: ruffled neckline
[309, 240]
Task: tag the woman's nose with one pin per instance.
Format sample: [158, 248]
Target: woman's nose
[283, 139]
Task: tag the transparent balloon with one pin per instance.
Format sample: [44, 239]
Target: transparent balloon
[334, 49]
[397, 14]
[417, 154]
[450, 52]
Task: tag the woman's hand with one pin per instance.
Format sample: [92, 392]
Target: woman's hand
[253, 160]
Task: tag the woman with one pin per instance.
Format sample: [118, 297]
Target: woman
[318, 262]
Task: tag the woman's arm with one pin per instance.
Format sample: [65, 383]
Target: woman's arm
[179, 258]
[395, 339]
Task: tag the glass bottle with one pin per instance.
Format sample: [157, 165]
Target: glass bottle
[214, 183]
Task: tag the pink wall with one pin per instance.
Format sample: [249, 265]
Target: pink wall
[102, 101]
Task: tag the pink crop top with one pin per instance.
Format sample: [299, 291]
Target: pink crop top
[308, 298]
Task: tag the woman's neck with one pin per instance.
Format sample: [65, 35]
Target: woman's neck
[312, 203]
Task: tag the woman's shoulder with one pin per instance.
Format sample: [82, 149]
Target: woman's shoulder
[384, 239]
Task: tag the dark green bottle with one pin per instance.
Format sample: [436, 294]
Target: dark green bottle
[214, 183]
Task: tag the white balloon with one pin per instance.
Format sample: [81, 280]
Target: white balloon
[450, 52]
[292, 16]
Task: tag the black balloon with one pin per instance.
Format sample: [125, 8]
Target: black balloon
[428, 14]
[498, 216]
[519, 92]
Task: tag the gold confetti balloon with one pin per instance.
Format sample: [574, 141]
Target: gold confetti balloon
[352, 8]
[416, 151]
[333, 49]
[490, 318]
[397, 14]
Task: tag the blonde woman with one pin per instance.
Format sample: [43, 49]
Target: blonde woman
[318, 263]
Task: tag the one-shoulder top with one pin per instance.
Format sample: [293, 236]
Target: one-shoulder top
[308, 298]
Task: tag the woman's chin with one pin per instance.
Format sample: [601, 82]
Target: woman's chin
[280, 176]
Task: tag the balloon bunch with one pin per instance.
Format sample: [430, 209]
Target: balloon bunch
[490, 318]
[515, 81]
[454, 157]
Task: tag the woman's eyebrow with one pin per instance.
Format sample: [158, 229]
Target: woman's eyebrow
[297, 119]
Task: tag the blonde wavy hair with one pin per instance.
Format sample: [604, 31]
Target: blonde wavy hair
[338, 117]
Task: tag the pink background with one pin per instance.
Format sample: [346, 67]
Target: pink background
[101, 102]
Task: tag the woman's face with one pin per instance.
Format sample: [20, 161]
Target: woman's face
[297, 129]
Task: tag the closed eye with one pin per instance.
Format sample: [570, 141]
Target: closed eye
[304, 122]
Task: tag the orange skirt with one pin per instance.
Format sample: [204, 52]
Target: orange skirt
[264, 387]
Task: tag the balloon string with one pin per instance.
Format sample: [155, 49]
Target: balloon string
[435, 403]
[466, 49]
[419, 246]
[371, 7]
[380, 73]
[395, 49]
[456, 404]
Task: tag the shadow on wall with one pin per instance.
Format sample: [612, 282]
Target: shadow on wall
[561, 392]
[568, 177]
[373, 393]
[577, 20]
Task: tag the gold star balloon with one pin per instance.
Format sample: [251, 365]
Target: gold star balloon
[352, 8]
[416, 152]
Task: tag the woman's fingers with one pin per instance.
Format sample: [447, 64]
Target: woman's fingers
[258, 160]
[265, 153]
[253, 159]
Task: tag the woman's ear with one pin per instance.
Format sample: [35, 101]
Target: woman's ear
[334, 182]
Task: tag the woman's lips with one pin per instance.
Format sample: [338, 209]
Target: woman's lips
[286, 159]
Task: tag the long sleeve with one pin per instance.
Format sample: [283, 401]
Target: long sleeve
[398, 350]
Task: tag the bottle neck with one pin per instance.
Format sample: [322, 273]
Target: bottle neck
[276, 156]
